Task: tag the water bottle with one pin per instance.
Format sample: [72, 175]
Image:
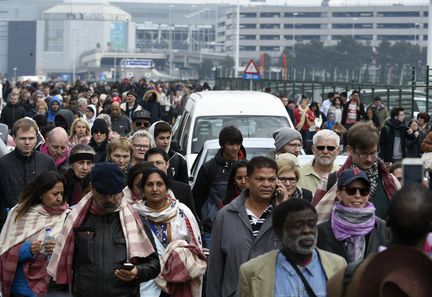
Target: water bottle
[48, 237]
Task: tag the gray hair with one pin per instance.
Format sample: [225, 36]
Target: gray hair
[326, 134]
[143, 134]
[82, 100]
[106, 118]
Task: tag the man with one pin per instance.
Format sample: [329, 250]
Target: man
[380, 110]
[243, 229]
[362, 150]
[353, 111]
[277, 273]
[20, 166]
[327, 103]
[13, 111]
[409, 219]
[287, 140]
[140, 120]
[211, 183]
[393, 137]
[290, 111]
[161, 132]
[56, 146]
[325, 148]
[141, 141]
[159, 158]
[131, 105]
[119, 121]
[82, 105]
[100, 235]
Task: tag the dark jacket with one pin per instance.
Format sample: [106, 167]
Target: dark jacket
[17, 172]
[183, 193]
[100, 150]
[155, 110]
[391, 128]
[121, 124]
[64, 118]
[30, 109]
[96, 258]
[413, 146]
[379, 236]
[360, 112]
[72, 185]
[211, 185]
[11, 113]
[178, 167]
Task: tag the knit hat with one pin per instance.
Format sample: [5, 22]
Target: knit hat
[285, 135]
[107, 178]
[99, 125]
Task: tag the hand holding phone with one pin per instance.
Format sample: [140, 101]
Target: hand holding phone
[128, 266]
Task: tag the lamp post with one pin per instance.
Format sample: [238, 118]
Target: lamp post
[237, 40]
[416, 33]
[293, 34]
[170, 43]
[353, 26]
[15, 73]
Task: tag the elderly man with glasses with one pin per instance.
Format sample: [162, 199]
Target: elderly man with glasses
[362, 141]
[325, 148]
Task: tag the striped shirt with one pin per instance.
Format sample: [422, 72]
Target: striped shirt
[256, 222]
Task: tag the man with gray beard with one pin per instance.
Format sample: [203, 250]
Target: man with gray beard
[299, 268]
[325, 149]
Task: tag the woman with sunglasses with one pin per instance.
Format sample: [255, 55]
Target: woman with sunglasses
[288, 175]
[353, 231]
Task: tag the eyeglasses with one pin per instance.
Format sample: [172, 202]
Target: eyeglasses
[330, 148]
[373, 155]
[141, 124]
[353, 191]
[294, 145]
[284, 179]
[141, 146]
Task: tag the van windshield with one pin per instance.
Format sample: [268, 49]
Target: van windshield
[207, 128]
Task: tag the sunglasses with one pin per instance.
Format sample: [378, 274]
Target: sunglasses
[141, 124]
[353, 191]
[330, 148]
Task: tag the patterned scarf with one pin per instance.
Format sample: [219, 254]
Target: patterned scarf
[352, 225]
[373, 175]
[31, 226]
[297, 194]
[137, 243]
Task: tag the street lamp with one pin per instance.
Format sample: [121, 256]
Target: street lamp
[416, 33]
[170, 43]
[293, 34]
[353, 26]
[15, 73]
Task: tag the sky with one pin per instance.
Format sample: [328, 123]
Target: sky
[293, 2]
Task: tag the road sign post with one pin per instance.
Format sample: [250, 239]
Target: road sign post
[251, 73]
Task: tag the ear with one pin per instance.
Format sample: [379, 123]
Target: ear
[349, 150]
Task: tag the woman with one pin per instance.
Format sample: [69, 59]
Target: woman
[331, 121]
[337, 108]
[133, 192]
[320, 117]
[24, 255]
[90, 114]
[172, 223]
[236, 181]
[120, 153]
[353, 231]
[81, 160]
[304, 118]
[41, 108]
[413, 146]
[79, 132]
[99, 140]
[372, 117]
[288, 175]
[152, 104]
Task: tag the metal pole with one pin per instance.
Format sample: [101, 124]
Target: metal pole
[427, 88]
[429, 42]
[170, 43]
[237, 41]
[294, 25]
[413, 87]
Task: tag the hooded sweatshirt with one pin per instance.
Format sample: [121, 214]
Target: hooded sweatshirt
[51, 114]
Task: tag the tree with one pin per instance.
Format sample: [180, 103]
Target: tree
[206, 68]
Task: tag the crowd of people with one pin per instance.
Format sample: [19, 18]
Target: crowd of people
[95, 201]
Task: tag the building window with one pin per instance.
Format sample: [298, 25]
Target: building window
[270, 26]
[396, 14]
[396, 37]
[303, 14]
[221, 24]
[269, 37]
[396, 26]
[248, 26]
[308, 26]
[248, 14]
[288, 26]
[54, 36]
[351, 25]
[352, 14]
[270, 14]
[247, 37]
[270, 48]
[307, 37]
[248, 48]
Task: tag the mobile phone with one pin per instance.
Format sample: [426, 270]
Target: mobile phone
[128, 266]
[412, 171]
[278, 195]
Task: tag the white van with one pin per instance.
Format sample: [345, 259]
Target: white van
[255, 114]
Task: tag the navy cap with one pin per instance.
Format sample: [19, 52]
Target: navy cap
[350, 175]
[107, 178]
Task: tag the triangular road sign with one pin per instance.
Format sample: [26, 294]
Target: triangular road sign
[251, 68]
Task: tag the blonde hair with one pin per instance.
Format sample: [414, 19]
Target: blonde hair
[75, 123]
[43, 104]
[121, 143]
[285, 165]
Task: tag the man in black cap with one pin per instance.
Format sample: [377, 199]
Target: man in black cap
[131, 105]
[140, 120]
[104, 234]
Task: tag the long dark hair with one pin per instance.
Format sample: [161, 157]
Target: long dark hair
[232, 189]
[31, 194]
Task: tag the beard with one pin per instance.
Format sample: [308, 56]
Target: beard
[294, 243]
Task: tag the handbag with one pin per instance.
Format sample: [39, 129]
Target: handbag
[427, 161]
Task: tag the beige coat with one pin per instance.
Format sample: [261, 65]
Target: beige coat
[257, 276]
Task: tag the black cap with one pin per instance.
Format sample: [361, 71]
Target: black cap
[141, 114]
[107, 178]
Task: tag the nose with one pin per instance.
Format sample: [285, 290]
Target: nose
[357, 193]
